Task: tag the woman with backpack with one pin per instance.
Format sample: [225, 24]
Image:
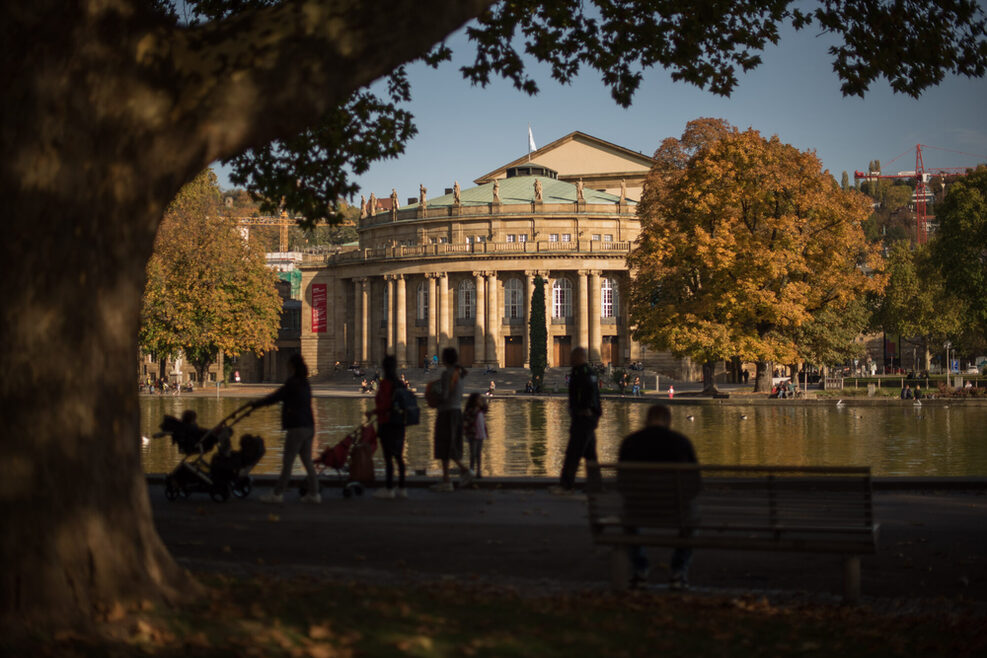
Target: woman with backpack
[390, 431]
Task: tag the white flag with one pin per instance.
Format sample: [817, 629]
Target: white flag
[531, 141]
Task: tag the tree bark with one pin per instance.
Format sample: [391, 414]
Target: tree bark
[709, 383]
[107, 111]
[762, 377]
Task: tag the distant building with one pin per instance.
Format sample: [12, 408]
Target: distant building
[459, 269]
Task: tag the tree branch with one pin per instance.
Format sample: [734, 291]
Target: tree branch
[270, 72]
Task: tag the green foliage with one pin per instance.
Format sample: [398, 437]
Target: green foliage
[916, 301]
[959, 249]
[537, 333]
[208, 290]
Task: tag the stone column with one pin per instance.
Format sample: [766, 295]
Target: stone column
[434, 330]
[479, 332]
[444, 337]
[363, 353]
[494, 320]
[549, 341]
[529, 289]
[401, 321]
[582, 311]
[389, 291]
[595, 337]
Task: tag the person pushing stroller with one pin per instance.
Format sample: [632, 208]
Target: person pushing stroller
[295, 396]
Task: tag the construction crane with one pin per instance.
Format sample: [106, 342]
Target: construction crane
[922, 176]
[283, 222]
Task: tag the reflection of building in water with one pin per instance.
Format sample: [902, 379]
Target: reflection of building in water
[459, 270]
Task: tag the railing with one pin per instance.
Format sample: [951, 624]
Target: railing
[439, 250]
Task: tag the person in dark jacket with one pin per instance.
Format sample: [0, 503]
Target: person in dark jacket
[584, 412]
[658, 443]
[391, 433]
[295, 396]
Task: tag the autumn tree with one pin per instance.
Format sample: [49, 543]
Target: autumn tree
[748, 242]
[208, 290]
[111, 106]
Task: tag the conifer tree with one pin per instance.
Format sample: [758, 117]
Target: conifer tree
[538, 335]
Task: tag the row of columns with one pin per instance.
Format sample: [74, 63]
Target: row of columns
[487, 320]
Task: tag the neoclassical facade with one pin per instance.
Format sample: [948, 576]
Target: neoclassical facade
[459, 270]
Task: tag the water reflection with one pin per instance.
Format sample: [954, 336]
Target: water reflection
[528, 437]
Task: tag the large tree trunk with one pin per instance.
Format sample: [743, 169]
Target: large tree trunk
[709, 383]
[107, 111]
[762, 376]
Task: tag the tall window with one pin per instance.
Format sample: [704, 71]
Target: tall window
[553, 237]
[509, 237]
[608, 298]
[523, 237]
[562, 298]
[513, 299]
[383, 306]
[423, 300]
[467, 299]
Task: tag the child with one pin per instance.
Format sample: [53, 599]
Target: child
[475, 429]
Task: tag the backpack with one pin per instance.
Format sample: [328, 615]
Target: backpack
[404, 407]
[433, 394]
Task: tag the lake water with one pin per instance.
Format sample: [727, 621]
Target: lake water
[528, 437]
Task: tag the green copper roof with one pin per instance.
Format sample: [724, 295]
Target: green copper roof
[521, 189]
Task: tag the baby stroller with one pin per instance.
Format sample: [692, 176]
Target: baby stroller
[351, 458]
[227, 472]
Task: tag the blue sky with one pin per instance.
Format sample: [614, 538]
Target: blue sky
[466, 131]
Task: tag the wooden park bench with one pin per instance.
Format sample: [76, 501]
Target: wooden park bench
[761, 508]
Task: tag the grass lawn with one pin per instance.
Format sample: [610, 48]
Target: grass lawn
[279, 617]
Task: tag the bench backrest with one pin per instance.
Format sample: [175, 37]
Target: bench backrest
[757, 497]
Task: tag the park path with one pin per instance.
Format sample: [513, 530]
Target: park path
[932, 545]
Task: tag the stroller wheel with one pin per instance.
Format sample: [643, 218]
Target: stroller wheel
[220, 492]
[171, 491]
[242, 487]
[353, 489]
[347, 492]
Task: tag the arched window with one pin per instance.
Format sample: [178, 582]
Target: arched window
[422, 300]
[513, 299]
[608, 298]
[467, 299]
[562, 298]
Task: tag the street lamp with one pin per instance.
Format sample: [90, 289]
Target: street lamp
[947, 345]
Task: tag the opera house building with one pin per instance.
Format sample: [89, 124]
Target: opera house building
[459, 269]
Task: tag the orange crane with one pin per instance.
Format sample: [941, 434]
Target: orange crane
[283, 223]
[922, 176]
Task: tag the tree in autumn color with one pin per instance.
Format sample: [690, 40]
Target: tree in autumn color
[748, 241]
[208, 289]
[111, 106]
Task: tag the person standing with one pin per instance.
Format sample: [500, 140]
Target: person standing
[584, 414]
[391, 434]
[657, 443]
[295, 396]
[448, 437]
[475, 430]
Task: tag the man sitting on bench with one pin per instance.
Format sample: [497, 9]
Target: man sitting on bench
[657, 443]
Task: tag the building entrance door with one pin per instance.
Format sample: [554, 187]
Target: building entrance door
[513, 352]
[466, 353]
[610, 354]
[563, 349]
[422, 351]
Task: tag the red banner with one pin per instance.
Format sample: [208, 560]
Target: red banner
[319, 300]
